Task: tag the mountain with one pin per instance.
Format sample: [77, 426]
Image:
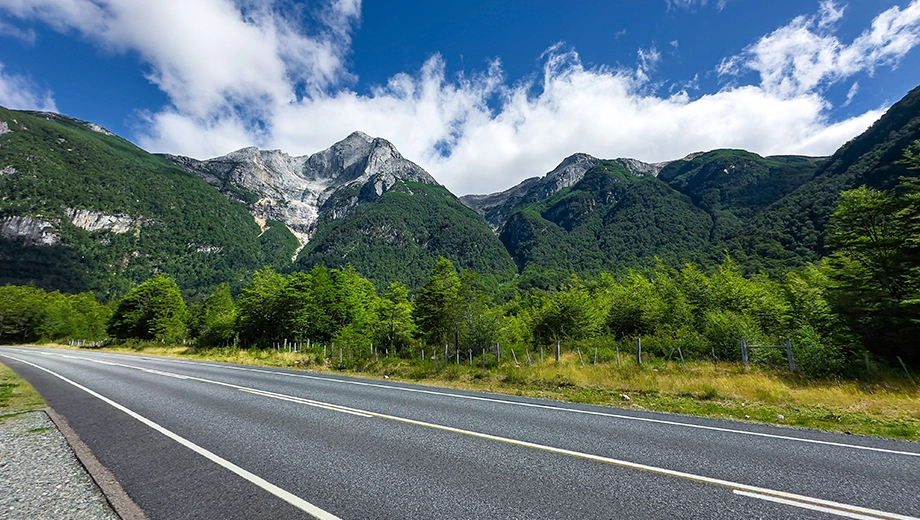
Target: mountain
[769, 213]
[791, 231]
[733, 186]
[611, 218]
[83, 209]
[295, 190]
[358, 202]
[590, 215]
[497, 207]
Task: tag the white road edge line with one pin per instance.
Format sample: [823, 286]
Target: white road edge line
[800, 500]
[793, 503]
[287, 496]
[555, 408]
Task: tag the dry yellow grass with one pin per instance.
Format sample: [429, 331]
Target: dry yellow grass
[16, 395]
[888, 406]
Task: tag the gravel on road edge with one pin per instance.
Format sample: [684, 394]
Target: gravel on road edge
[45, 472]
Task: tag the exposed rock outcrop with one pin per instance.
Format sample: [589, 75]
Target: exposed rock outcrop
[31, 231]
[96, 220]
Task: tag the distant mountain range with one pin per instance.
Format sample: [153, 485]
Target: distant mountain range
[82, 209]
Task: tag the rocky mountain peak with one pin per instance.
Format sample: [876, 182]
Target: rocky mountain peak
[571, 170]
[297, 190]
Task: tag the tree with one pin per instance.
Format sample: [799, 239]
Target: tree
[259, 307]
[478, 323]
[393, 327]
[875, 268]
[217, 317]
[567, 314]
[438, 303]
[154, 310]
[21, 309]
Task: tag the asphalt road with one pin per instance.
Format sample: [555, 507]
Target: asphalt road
[205, 440]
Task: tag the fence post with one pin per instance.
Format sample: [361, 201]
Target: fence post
[681, 354]
[580, 359]
[618, 356]
[744, 353]
[471, 357]
[639, 351]
[904, 366]
[789, 354]
[558, 351]
[595, 355]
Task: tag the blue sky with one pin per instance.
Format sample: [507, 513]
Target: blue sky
[481, 93]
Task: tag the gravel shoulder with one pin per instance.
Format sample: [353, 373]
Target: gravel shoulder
[41, 477]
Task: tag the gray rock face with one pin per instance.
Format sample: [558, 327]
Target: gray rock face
[497, 207]
[297, 190]
[31, 231]
[96, 220]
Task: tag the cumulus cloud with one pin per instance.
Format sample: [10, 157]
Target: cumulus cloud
[805, 54]
[211, 56]
[253, 73]
[19, 92]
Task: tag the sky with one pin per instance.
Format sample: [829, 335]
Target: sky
[481, 93]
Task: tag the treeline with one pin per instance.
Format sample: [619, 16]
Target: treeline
[29, 315]
[702, 314]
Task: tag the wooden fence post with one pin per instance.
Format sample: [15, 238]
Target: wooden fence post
[789, 354]
[639, 351]
[744, 353]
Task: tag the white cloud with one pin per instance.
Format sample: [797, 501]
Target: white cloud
[9, 30]
[211, 56]
[21, 93]
[249, 73]
[691, 4]
[805, 55]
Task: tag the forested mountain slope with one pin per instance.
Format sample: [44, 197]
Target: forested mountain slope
[82, 209]
[792, 231]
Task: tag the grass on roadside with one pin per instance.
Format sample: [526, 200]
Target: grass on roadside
[887, 406]
[16, 395]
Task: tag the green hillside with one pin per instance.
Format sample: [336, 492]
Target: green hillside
[792, 231]
[733, 186]
[399, 237]
[614, 219]
[57, 170]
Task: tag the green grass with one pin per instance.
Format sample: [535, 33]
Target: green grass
[16, 395]
[886, 406]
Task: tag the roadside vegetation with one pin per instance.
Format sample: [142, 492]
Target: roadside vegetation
[886, 404]
[16, 395]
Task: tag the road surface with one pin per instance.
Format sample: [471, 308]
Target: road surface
[205, 440]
